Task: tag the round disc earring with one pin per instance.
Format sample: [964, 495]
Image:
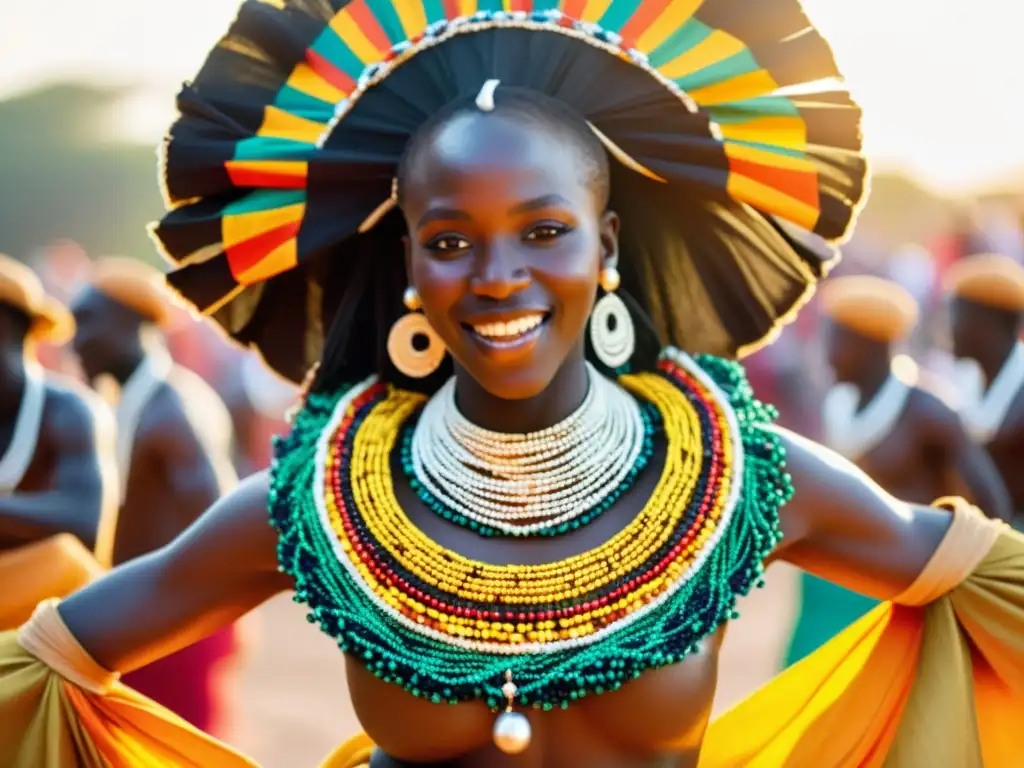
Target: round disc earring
[414, 347]
[611, 327]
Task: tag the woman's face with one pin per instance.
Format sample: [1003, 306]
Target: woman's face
[506, 243]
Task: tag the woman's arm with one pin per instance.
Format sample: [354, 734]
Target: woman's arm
[220, 568]
[842, 526]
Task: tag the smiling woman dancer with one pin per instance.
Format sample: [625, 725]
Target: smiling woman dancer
[524, 525]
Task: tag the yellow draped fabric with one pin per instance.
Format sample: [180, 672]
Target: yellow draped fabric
[47, 721]
[905, 687]
[53, 567]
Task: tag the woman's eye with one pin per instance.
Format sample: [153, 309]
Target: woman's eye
[543, 232]
[448, 243]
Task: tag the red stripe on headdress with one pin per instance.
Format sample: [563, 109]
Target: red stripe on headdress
[641, 20]
[244, 256]
[574, 8]
[800, 185]
[329, 72]
[363, 16]
[251, 177]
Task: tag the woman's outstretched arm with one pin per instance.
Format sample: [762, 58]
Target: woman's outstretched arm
[220, 568]
[842, 526]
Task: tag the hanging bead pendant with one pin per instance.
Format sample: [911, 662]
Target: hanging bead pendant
[512, 731]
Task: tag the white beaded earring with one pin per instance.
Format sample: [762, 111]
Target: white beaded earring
[414, 347]
[611, 328]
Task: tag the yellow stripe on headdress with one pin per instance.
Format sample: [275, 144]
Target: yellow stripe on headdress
[784, 132]
[310, 82]
[716, 47]
[280, 124]
[739, 88]
[989, 279]
[413, 18]
[870, 306]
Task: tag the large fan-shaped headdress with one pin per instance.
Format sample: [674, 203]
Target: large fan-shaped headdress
[283, 158]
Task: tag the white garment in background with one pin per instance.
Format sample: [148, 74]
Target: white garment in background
[984, 410]
[18, 456]
[853, 431]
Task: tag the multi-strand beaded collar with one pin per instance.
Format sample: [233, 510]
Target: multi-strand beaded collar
[450, 629]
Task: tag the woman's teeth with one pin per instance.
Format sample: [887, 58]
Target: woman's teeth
[511, 329]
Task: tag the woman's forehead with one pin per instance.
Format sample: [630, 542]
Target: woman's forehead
[473, 153]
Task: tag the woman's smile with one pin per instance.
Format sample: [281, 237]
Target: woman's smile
[504, 333]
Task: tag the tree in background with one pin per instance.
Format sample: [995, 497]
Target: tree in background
[62, 179]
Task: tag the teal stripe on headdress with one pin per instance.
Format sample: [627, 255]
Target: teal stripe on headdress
[751, 109]
[490, 6]
[265, 200]
[741, 63]
[617, 14]
[334, 49]
[679, 42]
[273, 148]
[546, 5]
[787, 151]
[386, 15]
[297, 102]
[434, 10]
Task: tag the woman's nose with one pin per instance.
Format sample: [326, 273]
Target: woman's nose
[499, 273]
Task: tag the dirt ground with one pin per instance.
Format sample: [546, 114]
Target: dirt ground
[293, 707]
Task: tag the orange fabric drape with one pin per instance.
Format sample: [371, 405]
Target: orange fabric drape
[47, 721]
[52, 567]
[901, 688]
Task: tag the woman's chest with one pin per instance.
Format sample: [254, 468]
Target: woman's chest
[662, 713]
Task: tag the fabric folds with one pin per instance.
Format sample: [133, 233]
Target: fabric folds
[45, 720]
[904, 687]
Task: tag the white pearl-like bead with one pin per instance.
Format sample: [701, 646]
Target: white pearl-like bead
[512, 733]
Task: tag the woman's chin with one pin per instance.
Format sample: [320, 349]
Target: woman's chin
[511, 378]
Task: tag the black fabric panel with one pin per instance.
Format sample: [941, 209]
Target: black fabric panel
[190, 228]
[204, 284]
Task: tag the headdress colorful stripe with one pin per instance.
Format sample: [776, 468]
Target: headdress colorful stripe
[289, 137]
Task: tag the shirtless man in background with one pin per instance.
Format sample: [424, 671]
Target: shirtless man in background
[883, 417]
[56, 457]
[987, 292]
[174, 451]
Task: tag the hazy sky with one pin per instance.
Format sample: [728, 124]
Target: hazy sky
[939, 81]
